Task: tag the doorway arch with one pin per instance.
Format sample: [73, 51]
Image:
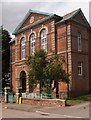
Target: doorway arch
[23, 81]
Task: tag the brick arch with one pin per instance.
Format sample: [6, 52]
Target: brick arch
[21, 38]
[43, 27]
[24, 71]
[32, 32]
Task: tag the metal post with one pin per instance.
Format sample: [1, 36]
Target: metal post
[17, 95]
[6, 95]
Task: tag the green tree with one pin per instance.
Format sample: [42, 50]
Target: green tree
[54, 71]
[37, 64]
[5, 55]
[44, 71]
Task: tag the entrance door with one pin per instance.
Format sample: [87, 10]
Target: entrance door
[23, 81]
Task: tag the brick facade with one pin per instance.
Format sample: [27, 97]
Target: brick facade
[62, 38]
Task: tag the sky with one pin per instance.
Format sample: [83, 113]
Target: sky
[13, 11]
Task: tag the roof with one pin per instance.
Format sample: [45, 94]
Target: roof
[39, 12]
[69, 15]
[49, 16]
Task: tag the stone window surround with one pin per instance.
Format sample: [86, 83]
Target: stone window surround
[80, 68]
[32, 32]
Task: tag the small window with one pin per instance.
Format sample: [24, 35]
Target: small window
[80, 68]
[43, 38]
[32, 43]
[79, 42]
[22, 48]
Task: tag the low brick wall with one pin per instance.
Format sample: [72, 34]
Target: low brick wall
[44, 102]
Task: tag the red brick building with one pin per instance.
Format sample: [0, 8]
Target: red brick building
[68, 35]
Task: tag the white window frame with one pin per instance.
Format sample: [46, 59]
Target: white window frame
[23, 48]
[80, 69]
[32, 43]
[79, 39]
[43, 38]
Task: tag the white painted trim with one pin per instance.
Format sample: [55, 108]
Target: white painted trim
[63, 51]
[31, 34]
[22, 35]
[43, 27]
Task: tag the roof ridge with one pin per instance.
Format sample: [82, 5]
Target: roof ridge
[72, 12]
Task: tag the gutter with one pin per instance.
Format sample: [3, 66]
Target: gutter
[66, 46]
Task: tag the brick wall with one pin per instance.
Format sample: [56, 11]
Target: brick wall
[90, 60]
[60, 38]
[80, 84]
[44, 102]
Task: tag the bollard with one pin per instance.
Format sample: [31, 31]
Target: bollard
[17, 95]
[20, 100]
[6, 95]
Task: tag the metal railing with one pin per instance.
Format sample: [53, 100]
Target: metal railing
[41, 96]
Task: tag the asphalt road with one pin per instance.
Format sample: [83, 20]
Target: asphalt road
[7, 113]
[26, 111]
[0, 111]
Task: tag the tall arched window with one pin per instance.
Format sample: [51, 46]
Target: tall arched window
[43, 38]
[22, 48]
[32, 43]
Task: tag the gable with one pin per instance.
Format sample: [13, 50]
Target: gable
[32, 18]
[80, 18]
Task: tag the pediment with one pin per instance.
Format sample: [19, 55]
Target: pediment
[32, 18]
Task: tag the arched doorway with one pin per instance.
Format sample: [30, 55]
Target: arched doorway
[23, 81]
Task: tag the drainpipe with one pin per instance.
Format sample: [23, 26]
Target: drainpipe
[10, 69]
[66, 47]
[68, 89]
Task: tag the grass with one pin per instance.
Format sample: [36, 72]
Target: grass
[79, 100]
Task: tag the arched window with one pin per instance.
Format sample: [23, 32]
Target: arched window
[43, 38]
[22, 48]
[32, 43]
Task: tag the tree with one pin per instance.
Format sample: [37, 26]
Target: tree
[54, 71]
[44, 71]
[5, 55]
[37, 64]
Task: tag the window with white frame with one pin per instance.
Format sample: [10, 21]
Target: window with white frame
[79, 42]
[43, 38]
[80, 68]
[22, 48]
[32, 43]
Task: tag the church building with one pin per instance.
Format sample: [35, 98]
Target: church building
[68, 35]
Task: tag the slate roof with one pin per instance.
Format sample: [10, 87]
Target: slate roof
[70, 15]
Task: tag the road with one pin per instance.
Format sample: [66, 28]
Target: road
[23, 111]
[0, 111]
[7, 113]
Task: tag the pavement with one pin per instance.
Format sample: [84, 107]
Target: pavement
[76, 111]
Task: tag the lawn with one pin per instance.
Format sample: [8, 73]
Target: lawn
[79, 100]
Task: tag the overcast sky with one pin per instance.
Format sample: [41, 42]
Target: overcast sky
[13, 11]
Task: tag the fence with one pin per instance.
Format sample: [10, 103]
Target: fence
[45, 96]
